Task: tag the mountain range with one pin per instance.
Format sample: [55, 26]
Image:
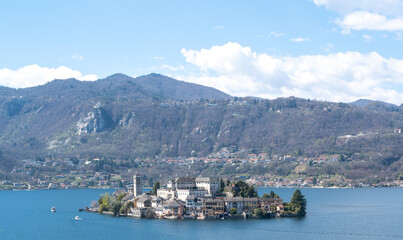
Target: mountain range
[157, 116]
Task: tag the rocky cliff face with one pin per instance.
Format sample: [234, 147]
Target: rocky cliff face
[14, 106]
[97, 120]
[127, 120]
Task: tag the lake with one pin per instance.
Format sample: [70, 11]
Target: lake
[331, 214]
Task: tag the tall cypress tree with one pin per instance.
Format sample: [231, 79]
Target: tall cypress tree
[156, 187]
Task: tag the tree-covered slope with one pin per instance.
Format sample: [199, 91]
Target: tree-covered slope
[155, 116]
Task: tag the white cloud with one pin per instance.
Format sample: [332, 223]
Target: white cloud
[328, 47]
[360, 20]
[34, 75]
[172, 68]
[345, 77]
[300, 39]
[158, 58]
[386, 7]
[276, 34]
[367, 37]
[218, 27]
[385, 15]
[77, 57]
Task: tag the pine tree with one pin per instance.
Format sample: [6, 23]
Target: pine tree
[299, 202]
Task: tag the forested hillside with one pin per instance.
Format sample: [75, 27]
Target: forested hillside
[154, 117]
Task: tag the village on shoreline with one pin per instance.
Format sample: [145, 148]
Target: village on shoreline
[98, 172]
[197, 198]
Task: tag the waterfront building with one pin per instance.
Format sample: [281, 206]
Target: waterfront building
[193, 205]
[269, 204]
[280, 208]
[249, 204]
[139, 212]
[213, 207]
[159, 211]
[234, 202]
[173, 207]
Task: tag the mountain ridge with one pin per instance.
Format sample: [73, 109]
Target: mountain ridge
[149, 81]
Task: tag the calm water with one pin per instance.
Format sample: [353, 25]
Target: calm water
[332, 214]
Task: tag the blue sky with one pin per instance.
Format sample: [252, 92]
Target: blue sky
[336, 50]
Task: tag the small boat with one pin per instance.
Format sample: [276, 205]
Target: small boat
[171, 217]
[77, 218]
[53, 209]
[188, 217]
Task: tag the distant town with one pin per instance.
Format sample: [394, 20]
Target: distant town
[197, 198]
[91, 173]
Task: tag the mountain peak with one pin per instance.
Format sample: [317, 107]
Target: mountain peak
[365, 102]
[176, 89]
[118, 76]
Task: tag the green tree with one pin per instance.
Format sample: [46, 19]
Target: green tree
[242, 189]
[156, 186]
[233, 211]
[299, 202]
[130, 204]
[222, 185]
[74, 160]
[265, 195]
[274, 195]
[115, 207]
[105, 202]
[258, 212]
[120, 197]
[251, 192]
[102, 208]
[342, 158]
[271, 195]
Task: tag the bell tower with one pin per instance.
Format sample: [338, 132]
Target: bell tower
[137, 188]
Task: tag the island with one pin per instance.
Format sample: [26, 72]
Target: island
[197, 198]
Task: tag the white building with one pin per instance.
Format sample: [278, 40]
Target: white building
[165, 193]
[182, 194]
[156, 201]
[193, 205]
[181, 183]
[144, 202]
[212, 185]
[182, 187]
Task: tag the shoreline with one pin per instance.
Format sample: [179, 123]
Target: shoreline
[189, 217]
[316, 187]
